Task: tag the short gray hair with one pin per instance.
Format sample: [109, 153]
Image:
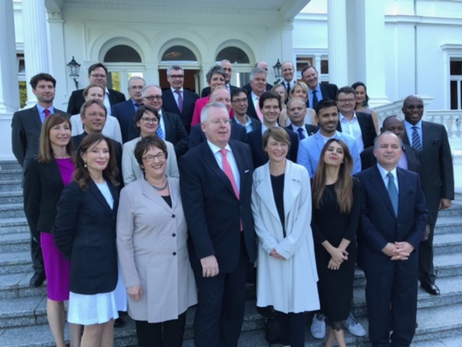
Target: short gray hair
[257, 71]
[387, 133]
[206, 110]
[173, 67]
[143, 92]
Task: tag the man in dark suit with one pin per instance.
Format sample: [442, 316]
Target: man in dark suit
[227, 67]
[437, 174]
[178, 100]
[94, 115]
[125, 111]
[271, 107]
[171, 127]
[357, 124]
[238, 133]
[393, 218]
[25, 135]
[97, 73]
[215, 183]
[296, 111]
[317, 91]
[410, 158]
[257, 88]
[239, 104]
[287, 69]
[260, 65]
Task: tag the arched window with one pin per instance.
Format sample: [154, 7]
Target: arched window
[179, 53]
[234, 54]
[122, 54]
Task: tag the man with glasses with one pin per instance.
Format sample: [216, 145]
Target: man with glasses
[227, 67]
[97, 73]
[125, 111]
[239, 104]
[171, 128]
[357, 124]
[177, 99]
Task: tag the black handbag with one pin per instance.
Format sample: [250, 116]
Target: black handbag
[272, 329]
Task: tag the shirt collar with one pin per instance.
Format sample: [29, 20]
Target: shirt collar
[215, 149]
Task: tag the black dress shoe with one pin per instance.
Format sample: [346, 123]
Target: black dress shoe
[430, 288]
[37, 280]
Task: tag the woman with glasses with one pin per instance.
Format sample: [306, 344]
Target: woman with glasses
[151, 243]
[147, 121]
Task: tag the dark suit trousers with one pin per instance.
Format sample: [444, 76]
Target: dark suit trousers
[165, 334]
[391, 298]
[221, 303]
[36, 255]
[426, 269]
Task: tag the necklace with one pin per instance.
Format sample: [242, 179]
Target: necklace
[160, 188]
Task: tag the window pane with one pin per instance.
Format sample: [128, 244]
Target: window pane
[122, 53]
[456, 67]
[454, 102]
[303, 61]
[325, 67]
[179, 53]
[113, 81]
[22, 93]
[234, 55]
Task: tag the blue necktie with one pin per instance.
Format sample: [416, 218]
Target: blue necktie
[315, 99]
[416, 139]
[301, 136]
[393, 192]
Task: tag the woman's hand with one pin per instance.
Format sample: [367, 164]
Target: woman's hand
[333, 265]
[135, 292]
[338, 255]
[276, 255]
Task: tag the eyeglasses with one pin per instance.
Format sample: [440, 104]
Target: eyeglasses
[220, 121]
[149, 120]
[176, 76]
[153, 97]
[239, 100]
[344, 101]
[98, 76]
[150, 158]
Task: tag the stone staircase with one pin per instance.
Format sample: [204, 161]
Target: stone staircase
[23, 319]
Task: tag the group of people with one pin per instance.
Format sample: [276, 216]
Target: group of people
[173, 201]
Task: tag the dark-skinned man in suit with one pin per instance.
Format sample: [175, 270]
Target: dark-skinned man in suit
[437, 174]
[26, 126]
[215, 183]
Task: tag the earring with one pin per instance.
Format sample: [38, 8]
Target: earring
[85, 164]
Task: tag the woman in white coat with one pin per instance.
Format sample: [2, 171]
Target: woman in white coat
[286, 267]
[153, 255]
[147, 121]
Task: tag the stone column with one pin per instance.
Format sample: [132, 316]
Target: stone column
[337, 42]
[9, 88]
[370, 63]
[35, 42]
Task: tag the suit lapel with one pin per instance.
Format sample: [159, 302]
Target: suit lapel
[378, 184]
[264, 189]
[404, 190]
[149, 192]
[292, 188]
[36, 117]
[173, 101]
[101, 199]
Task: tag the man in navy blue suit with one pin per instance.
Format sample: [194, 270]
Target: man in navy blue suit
[125, 111]
[393, 219]
[177, 99]
[317, 91]
[215, 183]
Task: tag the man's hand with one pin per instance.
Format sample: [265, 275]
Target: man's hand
[276, 255]
[135, 292]
[444, 204]
[209, 266]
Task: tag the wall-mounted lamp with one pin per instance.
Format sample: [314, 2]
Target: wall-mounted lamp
[74, 69]
[277, 72]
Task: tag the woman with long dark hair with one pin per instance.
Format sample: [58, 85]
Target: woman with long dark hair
[44, 179]
[335, 220]
[85, 232]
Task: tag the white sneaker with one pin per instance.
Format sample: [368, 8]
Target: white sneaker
[354, 327]
[318, 326]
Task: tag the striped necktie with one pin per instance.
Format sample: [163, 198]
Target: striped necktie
[416, 139]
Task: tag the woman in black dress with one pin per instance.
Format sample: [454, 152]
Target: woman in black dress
[334, 223]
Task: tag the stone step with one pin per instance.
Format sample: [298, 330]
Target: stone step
[16, 285]
[15, 242]
[449, 224]
[12, 210]
[448, 243]
[10, 185]
[9, 165]
[11, 197]
[15, 262]
[7, 174]
[13, 225]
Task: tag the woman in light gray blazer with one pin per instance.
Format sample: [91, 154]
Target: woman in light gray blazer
[147, 121]
[153, 254]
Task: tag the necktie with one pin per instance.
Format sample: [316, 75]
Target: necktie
[288, 88]
[160, 132]
[259, 114]
[180, 100]
[315, 99]
[416, 139]
[392, 192]
[301, 136]
[47, 113]
[228, 171]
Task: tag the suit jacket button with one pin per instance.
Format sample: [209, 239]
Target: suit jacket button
[173, 235]
[173, 216]
[174, 253]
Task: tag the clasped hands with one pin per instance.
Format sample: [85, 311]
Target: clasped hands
[338, 257]
[398, 250]
[276, 255]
